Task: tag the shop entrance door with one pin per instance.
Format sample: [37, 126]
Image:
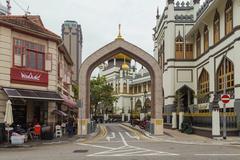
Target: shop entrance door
[19, 115]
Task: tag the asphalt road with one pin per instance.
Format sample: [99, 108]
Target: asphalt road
[116, 142]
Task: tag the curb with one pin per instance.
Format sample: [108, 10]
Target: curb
[183, 142]
[90, 136]
[139, 130]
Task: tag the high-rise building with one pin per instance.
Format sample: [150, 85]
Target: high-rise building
[72, 37]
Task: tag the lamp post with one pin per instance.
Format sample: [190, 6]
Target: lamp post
[131, 116]
[144, 105]
[224, 92]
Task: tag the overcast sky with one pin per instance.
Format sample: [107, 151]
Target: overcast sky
[99, 19]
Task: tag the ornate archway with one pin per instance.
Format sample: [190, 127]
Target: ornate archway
[119, 45]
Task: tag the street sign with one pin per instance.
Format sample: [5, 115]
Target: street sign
[225, 98]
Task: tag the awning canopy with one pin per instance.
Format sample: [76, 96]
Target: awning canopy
[32, 94]
[60, 113]
[68, 101]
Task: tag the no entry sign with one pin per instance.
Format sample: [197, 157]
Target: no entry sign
[225, 98]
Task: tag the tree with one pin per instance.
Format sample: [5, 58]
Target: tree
[101, 92]
[75, 89]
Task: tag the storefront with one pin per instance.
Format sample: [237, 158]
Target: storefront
[33, 106]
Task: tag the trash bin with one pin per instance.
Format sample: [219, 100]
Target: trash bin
[2, 131]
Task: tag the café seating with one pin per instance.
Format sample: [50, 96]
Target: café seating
[58, 132]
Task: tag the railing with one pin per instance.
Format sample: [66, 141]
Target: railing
[167, 118]
[205, 119]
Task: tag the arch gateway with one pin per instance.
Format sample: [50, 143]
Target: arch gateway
[119, 45]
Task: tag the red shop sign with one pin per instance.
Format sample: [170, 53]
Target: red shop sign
[24, 76]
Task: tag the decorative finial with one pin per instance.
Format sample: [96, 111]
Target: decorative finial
[119, 32]
[157, 13]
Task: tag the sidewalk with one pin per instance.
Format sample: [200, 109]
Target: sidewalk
[35, 143]
[62, 140]
[175, 136]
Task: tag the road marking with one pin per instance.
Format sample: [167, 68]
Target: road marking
[92, 145]
[130, 151]
[217, 154]
[123, 139]
[134, 137]
[112, 137]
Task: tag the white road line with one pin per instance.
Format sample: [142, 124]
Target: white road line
[123, 139]
[134, 137]
[112, 137]
[91, 145]
[217, 154]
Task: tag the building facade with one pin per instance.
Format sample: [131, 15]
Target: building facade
[72, 37]
[193, 43]
[35, 71]
[131, 87]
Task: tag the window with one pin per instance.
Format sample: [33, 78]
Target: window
[229, 73]
[216, 28]
[139, 89]
[179, 47]
[189, 51]
[203, 84]
[198, 44]
[28, 54]
[228, 17]
[206, 38]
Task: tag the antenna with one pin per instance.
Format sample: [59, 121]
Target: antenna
[8, 7]
[26, 11]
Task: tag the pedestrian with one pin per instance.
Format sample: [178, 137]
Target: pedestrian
[70, 128]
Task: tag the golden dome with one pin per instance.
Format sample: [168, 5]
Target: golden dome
[125, 66]
[122, 56]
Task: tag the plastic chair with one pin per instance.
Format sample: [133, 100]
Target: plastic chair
[58, 132]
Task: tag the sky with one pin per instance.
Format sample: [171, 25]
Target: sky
[99, 19]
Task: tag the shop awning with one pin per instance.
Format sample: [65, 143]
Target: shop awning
[32, 94]
[60, 113]
[68, 101]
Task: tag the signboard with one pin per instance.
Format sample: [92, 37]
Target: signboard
[225, 98]
[25, 76]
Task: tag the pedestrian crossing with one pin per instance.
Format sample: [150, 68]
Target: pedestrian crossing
[130, 151]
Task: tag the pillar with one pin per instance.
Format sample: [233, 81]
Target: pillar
[174, 120]
[123, 118]
[181, 116]
[3, 101]
[121, 81]
[215, 123]
[30, 111]
[51, 117]
[196, 6]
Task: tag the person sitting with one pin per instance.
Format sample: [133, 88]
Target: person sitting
[37, 130]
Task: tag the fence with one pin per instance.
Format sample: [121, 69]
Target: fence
[167, 118]
[205, 119]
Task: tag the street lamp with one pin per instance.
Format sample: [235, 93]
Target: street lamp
[131, 116]
[144, 105]
[224, 92]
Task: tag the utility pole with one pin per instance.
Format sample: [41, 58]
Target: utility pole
[224, 105]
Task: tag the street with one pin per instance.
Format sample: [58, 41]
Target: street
[118, 142]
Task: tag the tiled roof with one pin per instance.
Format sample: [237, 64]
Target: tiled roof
[28, 23]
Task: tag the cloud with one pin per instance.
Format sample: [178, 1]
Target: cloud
[99, 19]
